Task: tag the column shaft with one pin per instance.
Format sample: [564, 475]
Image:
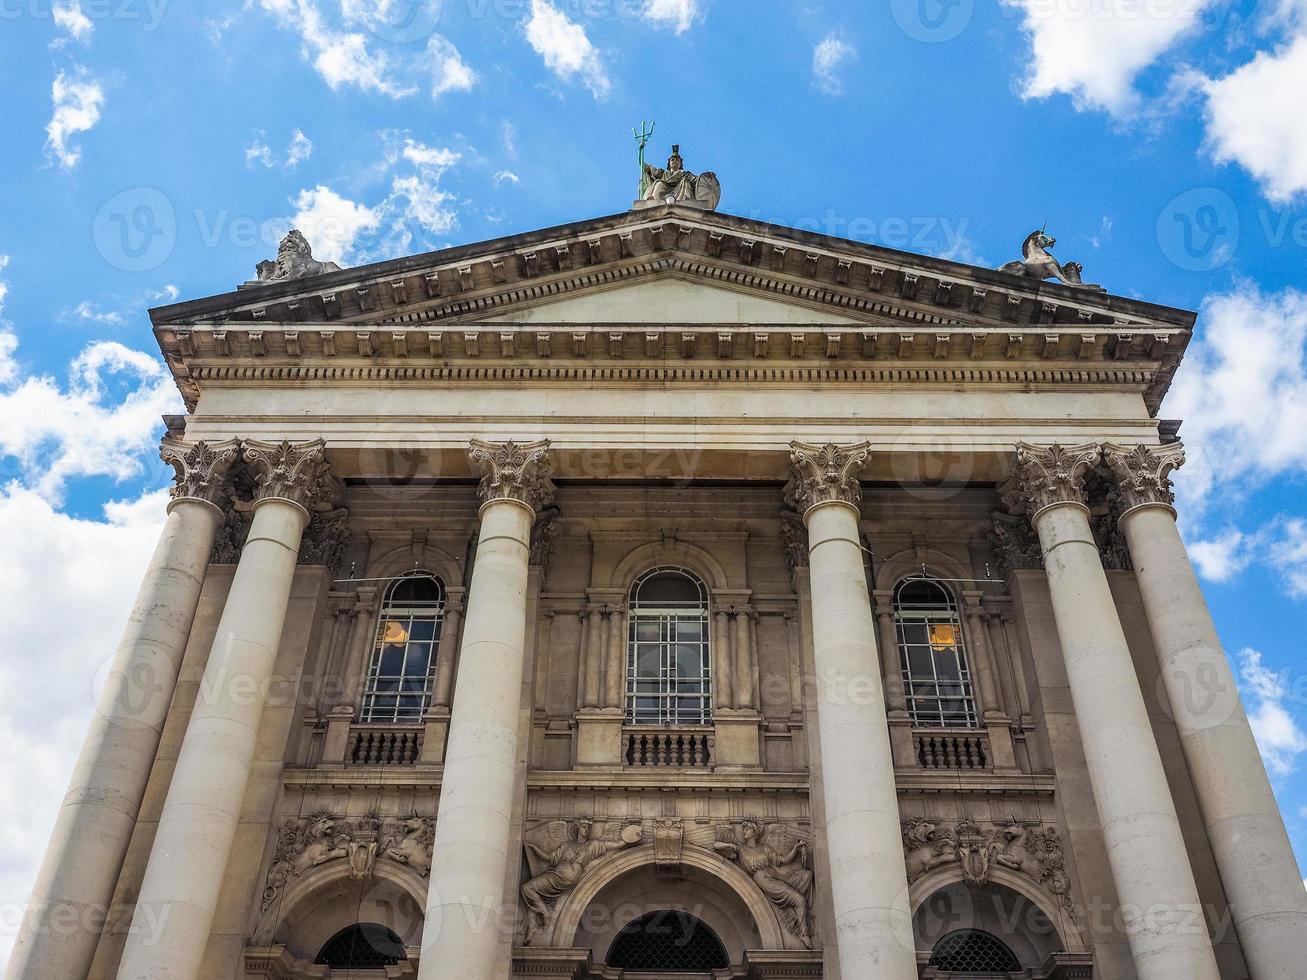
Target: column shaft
[615, 656]
[465, 910]
[982, 663]
[198, 824]
[59, 934]
[447, 652]
[873, 920]
[1155, 884]
[1252, 849]
[722, 670]
[594, 658]
[743, 661]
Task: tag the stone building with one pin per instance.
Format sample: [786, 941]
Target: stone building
[669, 594]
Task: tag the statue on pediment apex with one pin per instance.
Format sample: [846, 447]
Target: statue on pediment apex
[1037, 262]
[294, 261]
[676, 185]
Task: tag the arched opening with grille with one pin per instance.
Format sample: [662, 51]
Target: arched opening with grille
[362, 946]
[969, 952]
[669, 941]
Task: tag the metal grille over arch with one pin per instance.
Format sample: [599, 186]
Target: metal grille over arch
[667, 940]
[363, 946]
[972, 952]
[669, 660]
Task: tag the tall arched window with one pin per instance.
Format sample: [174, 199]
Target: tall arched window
[403, 666]
[668, 663]
[936, 677]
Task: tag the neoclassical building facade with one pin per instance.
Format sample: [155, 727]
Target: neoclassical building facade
[669, 594]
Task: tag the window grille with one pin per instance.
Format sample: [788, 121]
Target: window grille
[403, 667]
[668, 664]
[363, 946]
[972, 951]
[670, 941]
[932, 656]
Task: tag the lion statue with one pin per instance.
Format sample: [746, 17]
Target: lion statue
[294, 261]
[924, 849]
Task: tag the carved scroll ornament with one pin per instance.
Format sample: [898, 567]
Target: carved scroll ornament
[825, 473]
[514, 471]
[201, 469]
[1143, 474]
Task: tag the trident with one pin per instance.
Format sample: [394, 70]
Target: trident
[642, 135]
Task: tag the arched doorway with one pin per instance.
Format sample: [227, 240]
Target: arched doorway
[667, 942]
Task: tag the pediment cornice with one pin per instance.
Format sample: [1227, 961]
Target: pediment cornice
[860, 281]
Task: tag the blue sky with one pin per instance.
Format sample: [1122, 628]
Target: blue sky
[157, 149]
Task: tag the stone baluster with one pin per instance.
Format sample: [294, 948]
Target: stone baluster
[872, 917]
[1145, 848]
[465, 912]
[200, 814]
[1252, 850]
[57, 938]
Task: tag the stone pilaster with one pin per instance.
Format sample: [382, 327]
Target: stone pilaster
[1252, 850]
[873, 924]
[198, 824]
[1154, 879]
[466, 914]
[70, 901]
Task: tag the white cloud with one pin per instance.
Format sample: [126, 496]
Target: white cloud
[1094, 50]
[258, 152]
[1288, 553]
[449, 73]
[332, 223]
[300, 149]
[77, 100]
[506, 177]
[675, 14]
[55, 640]
[1221, 558]
[1242, 392]
[88, 312]
[566, 49]
[8, 340]
[72, 20]
[829, 59]
[1278, 736]
[435, 158]
[1254, 119]
[340, 57]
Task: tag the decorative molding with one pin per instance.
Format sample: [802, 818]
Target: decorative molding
[326, 539]
[297, 472]
[825, 473]
[778, 856]
[1049, 475]
[1013, 544]
[202, 470]
[1143, 473]
[558, 854]
[513, 471]
[543, 534]
[795, 536]
[230, 539]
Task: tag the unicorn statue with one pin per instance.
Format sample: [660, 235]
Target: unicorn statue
[1037, 262]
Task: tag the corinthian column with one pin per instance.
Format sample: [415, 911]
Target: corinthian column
[873, 921]
[198, 824]
[59, 934]
[1257, 865]
[1154, 881]
[465, 906]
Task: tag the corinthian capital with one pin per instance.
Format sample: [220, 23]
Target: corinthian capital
[513, 471]
[1048, 475]
[825, 473]
[294, 471]
[1143, 473]
[200, 469]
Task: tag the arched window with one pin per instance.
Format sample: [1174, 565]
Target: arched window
[932, 656]
[668, 664]
[669, 940]
[970, 951]
[363, 946]
[403, 666]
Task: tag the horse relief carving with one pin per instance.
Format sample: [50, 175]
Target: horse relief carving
[558, 854]
[1037, 262]
[309, 842]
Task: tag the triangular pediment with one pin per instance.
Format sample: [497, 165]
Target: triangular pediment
[669, 299]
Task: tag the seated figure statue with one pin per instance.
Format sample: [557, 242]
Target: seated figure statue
[676, 185]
